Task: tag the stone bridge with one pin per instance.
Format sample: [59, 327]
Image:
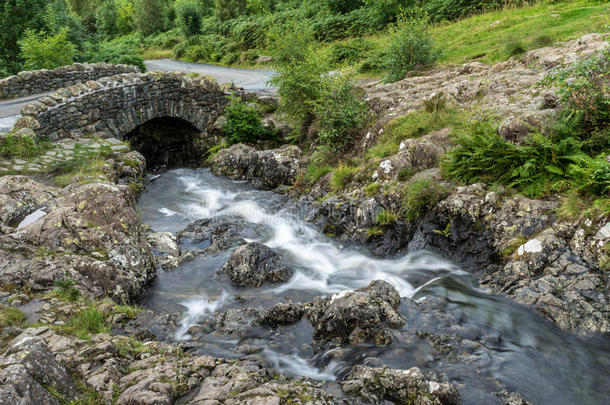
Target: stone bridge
[117, 105]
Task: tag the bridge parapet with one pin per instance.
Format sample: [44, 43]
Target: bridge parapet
[44, 80]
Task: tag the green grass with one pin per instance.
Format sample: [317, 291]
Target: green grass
[87, 322]
[385, 217]
[342, 176]
[475, 38]
[413, 125]
[11, 317]
[420, 196]
[22, 147]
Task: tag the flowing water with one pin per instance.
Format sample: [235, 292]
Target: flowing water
[499, 343]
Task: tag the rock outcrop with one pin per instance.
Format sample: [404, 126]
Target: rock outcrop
[368, 313]
[266, 170]
[253, 264]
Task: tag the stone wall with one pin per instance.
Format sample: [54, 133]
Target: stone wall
[115, 106]
[41, 81]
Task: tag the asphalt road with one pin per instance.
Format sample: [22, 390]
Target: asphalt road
[249, 79]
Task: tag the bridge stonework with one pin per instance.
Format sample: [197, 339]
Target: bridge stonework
[41, 81]
[114, 106]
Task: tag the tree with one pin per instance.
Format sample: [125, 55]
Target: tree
[16, 17]
[106, 18]
[40, 52]
[148, 16]
[189, 14]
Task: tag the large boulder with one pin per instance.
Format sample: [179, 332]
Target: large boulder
[255, 263]
[20, 196]
[27, 369]
[377, 385]
[368, 313]
[266, 170]
[93, 235]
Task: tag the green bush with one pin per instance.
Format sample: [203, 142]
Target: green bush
[340, 110]
[343, 6]
[349, 52]
[189, 14]
[243, 123]
[148, 16]
[411, 47]
[541, 165]
[122, 50]
[106, 17]
[40, 52]
[440, 10]
[584, 89]
[420, 196]
[18, 145]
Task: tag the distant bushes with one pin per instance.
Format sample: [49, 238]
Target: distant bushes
[47, 52]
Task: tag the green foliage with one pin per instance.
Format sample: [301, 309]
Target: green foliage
[122, 50]
[584, 89]
[374, 231]
[17, 17]
[228, 9]
[411, 47]
[542, 164]
[572, 205]
[318, 166]
[349, 52]
[106, 18]
[420, 196]
[148, 16]
[440, 10]
[86, 166]
[243, 123]
[22, 145]
[385, 217]
[340, 110]
[298, 74]
[40, 52]
[11, 317]
[342, 176]
[66, 289]
[189, 14]
[343, 6]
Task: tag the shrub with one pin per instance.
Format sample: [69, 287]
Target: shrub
[343, 6]
[40, 52]
[106, 17]
[349, 52]
[298, 73]
[244, 123]
[420, 196]
[122, 50]
[148, 16]
[66, 289]
[540, 165]
[584, 89]
[411, 46]
[340, 110]
[189, 14]
[21, 145]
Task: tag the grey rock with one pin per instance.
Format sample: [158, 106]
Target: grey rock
[253, 264]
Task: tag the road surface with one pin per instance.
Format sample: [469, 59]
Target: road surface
[249, 79]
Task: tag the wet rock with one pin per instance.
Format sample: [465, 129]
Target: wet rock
[92, 235]
[164, 243]
[27, 367]
[284, 313]
[267, 169]
[368, 313]
[237, 321]
[148, 325]
[253, 264]
[216, 234]
[20, 196]
[377, 385]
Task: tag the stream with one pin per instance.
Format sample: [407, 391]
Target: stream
[497, 344]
